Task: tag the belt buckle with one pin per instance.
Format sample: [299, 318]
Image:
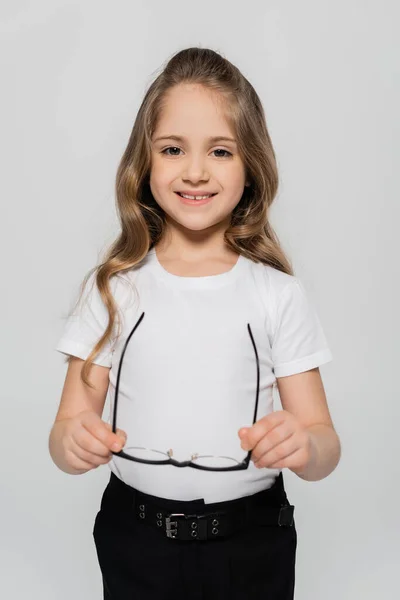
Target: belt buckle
[172, 526]
[198, 527]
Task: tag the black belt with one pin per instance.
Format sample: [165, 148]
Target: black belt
[211, 525]
[216, 522]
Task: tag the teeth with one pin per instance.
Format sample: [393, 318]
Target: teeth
[195, 197]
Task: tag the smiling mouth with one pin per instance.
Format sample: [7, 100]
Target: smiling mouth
[196, 198]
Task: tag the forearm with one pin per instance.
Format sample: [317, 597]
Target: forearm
[325, 453]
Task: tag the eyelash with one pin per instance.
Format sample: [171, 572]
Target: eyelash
[217, 149]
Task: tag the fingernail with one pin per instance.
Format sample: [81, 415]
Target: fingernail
[116, 446]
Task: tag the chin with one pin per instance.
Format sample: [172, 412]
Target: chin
[195, 224]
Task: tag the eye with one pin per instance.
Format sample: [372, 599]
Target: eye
[222, 150]
[165, 151]
[170, 148]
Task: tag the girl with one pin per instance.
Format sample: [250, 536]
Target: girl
[190, 322]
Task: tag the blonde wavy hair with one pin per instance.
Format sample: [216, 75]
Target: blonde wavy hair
[141, 218]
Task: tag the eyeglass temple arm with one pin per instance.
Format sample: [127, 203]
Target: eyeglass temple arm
[114, 419]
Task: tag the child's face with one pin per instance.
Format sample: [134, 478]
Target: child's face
[195, 163]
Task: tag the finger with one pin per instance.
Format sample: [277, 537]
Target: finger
[78, 463]
[120, 432]
[122, 435]
[277, 454]
[292, 461]
[274, 437]
[88, 457]
[99, 430]
[261, 428]
[89, 444]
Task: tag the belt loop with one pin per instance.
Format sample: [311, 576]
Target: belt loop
[282, 490]
[134, 501]
[248, 510]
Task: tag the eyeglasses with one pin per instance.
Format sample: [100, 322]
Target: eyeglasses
[203, 462]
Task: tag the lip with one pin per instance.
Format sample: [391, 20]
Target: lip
[195, 192]
[194, 202]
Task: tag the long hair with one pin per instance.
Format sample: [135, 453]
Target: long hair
[142, 219]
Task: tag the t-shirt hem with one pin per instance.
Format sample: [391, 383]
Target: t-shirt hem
[303, 364]
[66, 346]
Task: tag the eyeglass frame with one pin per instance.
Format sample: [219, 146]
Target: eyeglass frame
[242, 466]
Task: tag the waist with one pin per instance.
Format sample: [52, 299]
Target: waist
[196, 520]
[185, 484]
[125, 496]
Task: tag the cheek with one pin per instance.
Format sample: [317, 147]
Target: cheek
[234, 179]
[159, 184]
[162, 176]
[234, 190]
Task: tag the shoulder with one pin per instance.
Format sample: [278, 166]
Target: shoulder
[272, 281]
[121, 287]
[270, 285]
[278, 280]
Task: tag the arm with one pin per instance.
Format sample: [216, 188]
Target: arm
[303, 395]
[76, 398]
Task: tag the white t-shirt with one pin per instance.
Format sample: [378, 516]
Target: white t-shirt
[189, 372]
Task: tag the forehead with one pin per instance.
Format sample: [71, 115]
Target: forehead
[195, 111]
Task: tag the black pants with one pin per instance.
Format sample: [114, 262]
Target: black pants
[138, 562]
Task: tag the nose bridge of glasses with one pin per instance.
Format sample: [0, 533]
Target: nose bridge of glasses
[154, 455]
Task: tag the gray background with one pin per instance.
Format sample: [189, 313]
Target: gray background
[73, 75]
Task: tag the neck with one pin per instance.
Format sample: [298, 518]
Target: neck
[180, 243]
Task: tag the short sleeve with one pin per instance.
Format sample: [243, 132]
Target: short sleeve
[299, 342]
[84, 327]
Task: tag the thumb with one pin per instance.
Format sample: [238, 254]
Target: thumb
[242, 432]
[120, 433]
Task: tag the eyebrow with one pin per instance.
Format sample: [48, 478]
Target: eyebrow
[213, 139]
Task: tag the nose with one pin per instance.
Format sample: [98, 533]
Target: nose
[195, 170]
